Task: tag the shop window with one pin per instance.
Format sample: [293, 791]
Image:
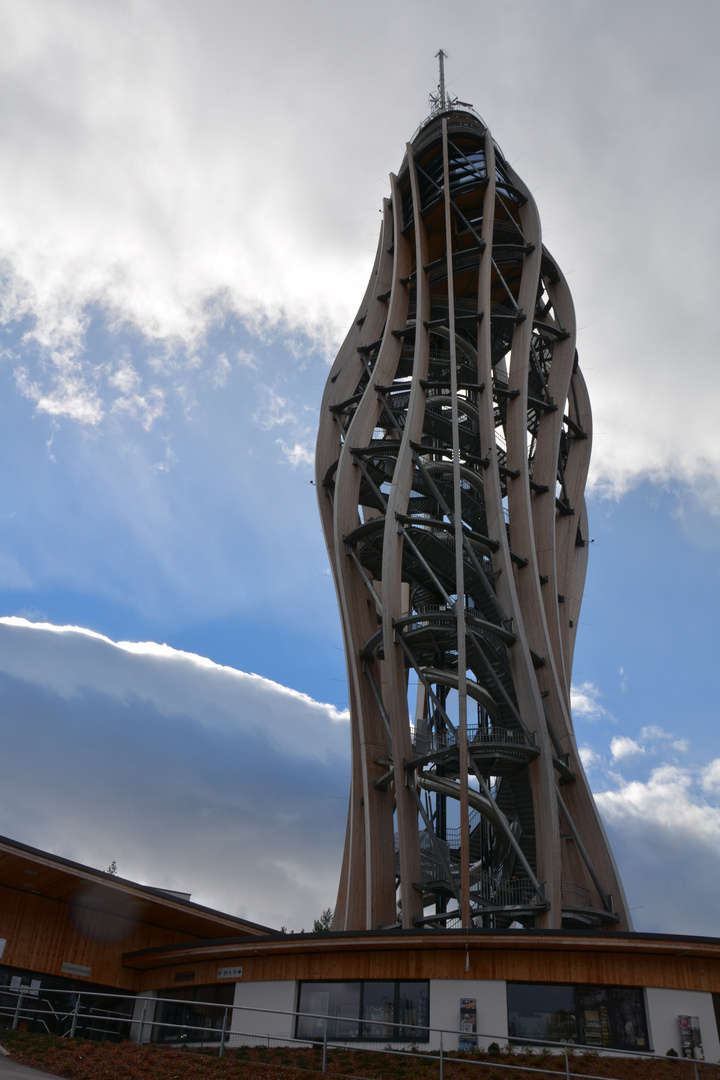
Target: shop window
[374, 1011]
[192, 1014]
[52, 1004]
[609, 1016]
[547, 1013]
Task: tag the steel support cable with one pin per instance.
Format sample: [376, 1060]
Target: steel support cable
[439, 707]
[505, 286]
[380, 703]
[510, 218]
[498, 683]
[419, 556]
[583, 851]
[538, 368]
[466, 223]
[482, 173]
[361, 569]
[505, 827]
[489, 591]
[357, 460]
[390, 412]
[434, 840]
[434, 490]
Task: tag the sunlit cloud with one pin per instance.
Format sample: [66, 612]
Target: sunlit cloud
[137, 187]
[622, 746]
[295, 454]
[667, 821]
[585, 703]
[588, 756]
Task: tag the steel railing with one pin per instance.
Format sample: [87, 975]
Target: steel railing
[228, 1035]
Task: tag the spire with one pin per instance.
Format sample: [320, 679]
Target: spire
[441, 85]
[441, 101]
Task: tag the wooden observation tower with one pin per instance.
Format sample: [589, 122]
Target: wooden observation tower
[452, 455]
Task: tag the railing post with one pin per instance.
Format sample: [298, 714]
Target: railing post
[142, 1024]
[696, 1068]
[567, 1064]
[17, 1012]
[324, 1065]
[76, 1010]
[222, 1035]
[441, 1056]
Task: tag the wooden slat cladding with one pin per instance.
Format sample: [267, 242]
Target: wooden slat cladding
[44, 933]
[37, 872]
[632, 961]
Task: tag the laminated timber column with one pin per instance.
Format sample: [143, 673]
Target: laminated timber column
[452, 455]
[459, 560]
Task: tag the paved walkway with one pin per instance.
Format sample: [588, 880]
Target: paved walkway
[10, 1070]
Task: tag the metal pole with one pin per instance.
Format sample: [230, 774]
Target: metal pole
[567, 1064]
[324, 1067]
[76, 1010]
[222, 1035]
[695, 1068]
[441, 1057]
[142, 1024]
[17, 1012]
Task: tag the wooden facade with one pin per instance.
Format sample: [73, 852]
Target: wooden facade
[63, 921]
[609, 959]
[54, 912]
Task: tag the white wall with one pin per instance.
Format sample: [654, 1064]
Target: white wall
[664, 1007]
[264, 995]
[491, 1000]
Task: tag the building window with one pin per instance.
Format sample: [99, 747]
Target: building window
[390, 1011]
[192, 1014]
[612, 1016]
[52, 1004]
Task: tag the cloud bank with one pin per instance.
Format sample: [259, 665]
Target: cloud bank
[198, 777]
[141, 189]
[190, 775]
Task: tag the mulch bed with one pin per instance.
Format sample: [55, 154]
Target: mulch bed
[126, 1061]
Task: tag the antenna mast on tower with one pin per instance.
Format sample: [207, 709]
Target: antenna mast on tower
[442, 100]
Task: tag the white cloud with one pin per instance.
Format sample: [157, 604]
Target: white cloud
[135, 183]
[666, 838]
[70, 391]
[710, 780]
[651, 731]
[623, 746]
[192, 775]
[588, 756]
[298, 453]
[275, 410]
[585, 704]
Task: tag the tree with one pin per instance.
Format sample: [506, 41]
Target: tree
[112, 868]
[324, 923]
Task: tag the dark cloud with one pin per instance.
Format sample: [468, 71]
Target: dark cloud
[191, 776]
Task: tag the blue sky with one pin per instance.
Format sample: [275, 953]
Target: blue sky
[188, 214]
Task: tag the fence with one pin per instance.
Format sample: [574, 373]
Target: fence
[228, 1036]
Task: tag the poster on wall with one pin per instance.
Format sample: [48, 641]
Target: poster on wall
[690, 1038]
[468, 1024]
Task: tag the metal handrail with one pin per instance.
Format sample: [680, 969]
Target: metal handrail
[443, 740]
[421, 1032]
